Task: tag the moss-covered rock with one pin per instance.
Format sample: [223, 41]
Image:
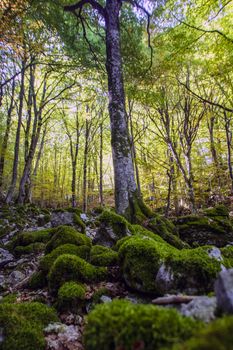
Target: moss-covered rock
[212, 228]
[67, 234]
[23, 325]
[227, 253]
[47, 261]
[103, 256]
[217, 335]
[166, 229]
[123, 325]
[32, 248]
[69, 267]
[71, 296]
[27, 238]
[155, 267]
[37, 280]
[112, 227]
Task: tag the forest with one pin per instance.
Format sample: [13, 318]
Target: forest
[116, 175]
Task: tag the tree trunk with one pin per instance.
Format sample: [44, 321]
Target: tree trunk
[7, 133]
[101, 198]
[229, 145]
[85, 168]
[17, 138]
[127, 199]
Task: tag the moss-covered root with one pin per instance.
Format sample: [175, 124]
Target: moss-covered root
[218, 336]
[23, 325]
[71, 296]
[69, 267]
[123, 325]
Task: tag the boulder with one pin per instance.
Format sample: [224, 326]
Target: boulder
[212, 228]
[224, 291]
[62, 218]
[5, 257]
[154, 267]
[201, 308]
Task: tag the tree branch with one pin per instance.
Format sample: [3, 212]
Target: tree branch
[79, 5]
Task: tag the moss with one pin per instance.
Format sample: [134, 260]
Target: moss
[99, 293]
[142, 258]
[71, 296]
[166, 229]
[69, 267]
[10, 298]
[37, 280]
[227, 253]
[123, 325]
[23, 325]
[47, 261]
[103, 256]
[143, 232]
[32, 248]
[67, 234]
[27, 238]
[219, 210]
[78, 221]
[217, 335]
[117, 222]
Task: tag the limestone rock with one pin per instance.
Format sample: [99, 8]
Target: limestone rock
[224, 291]
[201, 308]
[5, 257]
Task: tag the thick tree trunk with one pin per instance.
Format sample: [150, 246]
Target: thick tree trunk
[85, 167]
[126, 193]
[17, 138]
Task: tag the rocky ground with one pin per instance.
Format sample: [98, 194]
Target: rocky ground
[97, 282]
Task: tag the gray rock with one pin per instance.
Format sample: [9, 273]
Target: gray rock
[201, 308]
[164, 278]
[224, 291]
[5, 257]
[62, 218]
[16, 276]
[105, 299]
[215, 253]
[84, 217]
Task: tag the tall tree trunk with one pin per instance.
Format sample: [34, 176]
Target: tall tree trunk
[126, 192]
[7, 133]
[101, 198]
[229, 147]
[17, 138]
[85, 167]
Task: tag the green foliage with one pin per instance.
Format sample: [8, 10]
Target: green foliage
[47, 261]
[23, 325]
[103, 256]
[69, 267]
[121, 324]
[71, 296]
[217, 335]
[67, 234]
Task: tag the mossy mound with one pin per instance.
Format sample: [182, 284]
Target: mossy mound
[23, 325]
[69, 267]
[27, 238]
[37, 280]
[71, 296]
[112, 227]
[155, 267]
[33, 248]
[166, 229]
[212, 228]
[217, 335]
[123, 325]
[66, 234]
[47, 261]
[103, 256]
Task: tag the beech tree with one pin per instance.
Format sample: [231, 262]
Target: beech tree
[127, 198]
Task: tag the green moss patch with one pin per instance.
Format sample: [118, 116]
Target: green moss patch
[67, 234]
[123, 325]
[103, 256]
[71, 296]
[217, 335]
[69, 267]
[33, 248]
[23, 325]
[155, 267]
[27, 238]
[47, 261]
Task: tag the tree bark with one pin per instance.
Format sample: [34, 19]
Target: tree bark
[101, 198]
[17, 138]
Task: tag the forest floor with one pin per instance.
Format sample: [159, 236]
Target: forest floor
[20, 257]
